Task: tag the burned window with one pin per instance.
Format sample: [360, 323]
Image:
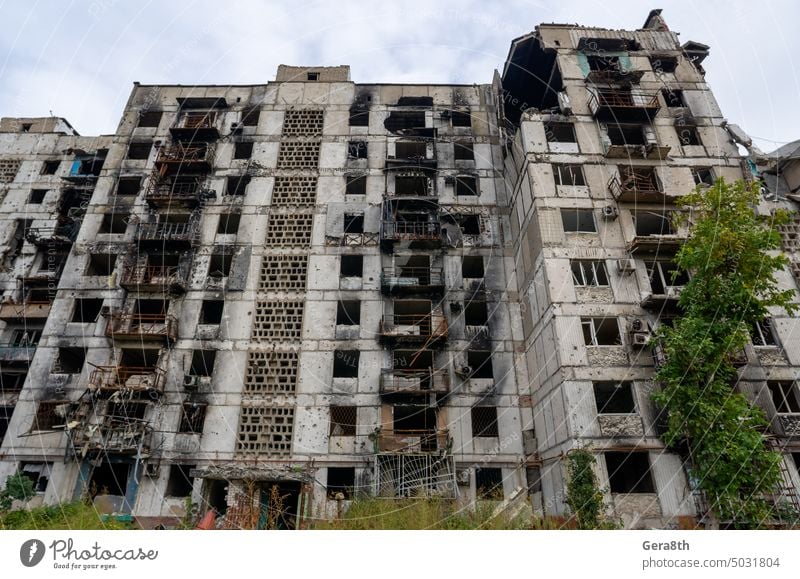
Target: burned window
[785, 396]
[463, 151]
[36, 196]
[663, 64]
[70, 360]
[626, 134]
[129, 185]
[203, 362]
[139, 150]
[180, 482]
[484, 422]
[193, 416]
[476, 314]
[86, 310]
[237, 185]
[578, 220]
[489, 483]
[211, 312]
[250, 117]
[49, 415]
[25, 337]
[589, 273]
[673, 98]
[12, 379]
[219, 265]
[114, 223]
[629, 472]
[50, 167]
[5, 417]
[652, 223]
[357, 150]
[345, 363]
[688, 135]
[100, 264]
[560, 132]
[466, 185]
[601, 332]
[351, 266]
[614, 398]
[603, 62]
[341, 482]
[412, 185]
[228, 223]
[470, 225]
[354, 223]
[472, 267]
[348, 313]
[461, 118]
[359, 117]
[703, 176]
[355, 185]
[243, 150]
[410, 149]
[343, 420]
[571, 175]
[404, 120]
[480, 364]
[149, 119]
[39, 474]
[763, 333]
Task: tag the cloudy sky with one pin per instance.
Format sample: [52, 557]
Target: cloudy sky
[78, 59]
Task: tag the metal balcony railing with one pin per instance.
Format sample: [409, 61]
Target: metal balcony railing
[413, 441]
[414, 381]
[426, 327]
[142, 327]
[114, 434]
[161, 192]
[642, 187]
[109, 379]
[184, 231]
[156, 278]
[394, 230]
[56, 235]
[623, 105]
[399, 279]
[185, 158]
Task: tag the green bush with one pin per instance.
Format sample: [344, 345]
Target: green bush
[73, 516]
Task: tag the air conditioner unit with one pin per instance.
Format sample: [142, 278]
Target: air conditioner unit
[610, 212]
[640, 338]
[191, 382]
[105, 311]
[626, 265]
[638, 325]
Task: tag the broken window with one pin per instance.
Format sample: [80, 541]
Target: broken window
[461, 118]
[203, 362]
[12, 379]
[652, 223]
[149, 119]
[25, 337]
[228, 223]
[410, 149]
[250, 117]
[466, 185]
[86, 310]
[348, 313]
[578, 220]
[343, 420]
[703, 176]
[469, 224]
[312, 76]
[629, 472]
[571, 175]
[354, 223]
[480, 364]
[50, 167]
[476, 314]
[688, 135]
[100, 264]
[662, 64]
[38, 473]
[359, 117]
[341, 482]
[603, 62]
[586, 273]
[351, 266]
[129, 185]
[70, 360]
[601, 332]
[237, 185]
[219, 265]
[211, 312]
[193, 416]
[785, 396]
[673, 98]
[560, 133]
[472, 267]
[489, 483]
[357, 150]
[139, 150]
[463, 151]
[110, 478]
[114, 223]
[36, 196]
[614, 398]
[763, 334]
[243, 150]
[345, 363]
[484, 422]
[5, 416]
[414, 419]
[664, 274]
[404, 120]
[49, 415]
[180, 483]
[356, 185]
[626, 134]
[411, 185]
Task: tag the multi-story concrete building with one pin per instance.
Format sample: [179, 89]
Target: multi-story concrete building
[269, 298]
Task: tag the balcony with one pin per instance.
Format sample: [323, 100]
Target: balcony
[196, 126]
[623, 105]
[655, 244]
[412, 155]
[636, 187]
[186, 192]
[10, 312]
[614, 75]
[142, 327]
[85, 169]
[414, 328]
[186, 159]
[426, 232]
[131, 379]
[119, 435]
[365, 239]
[178, 232]
[422, 382]
[410, 280]
[16, 352]
[50, 236]
[413, 441]
[153, 278]
[667, 300]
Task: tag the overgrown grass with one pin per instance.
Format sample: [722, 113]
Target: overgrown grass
[434, 514]
[74, 516]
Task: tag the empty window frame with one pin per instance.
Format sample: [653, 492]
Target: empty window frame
[703, 175]
[673, 98]
[211, 312]
[354, 223]
[476, 314]
[219, 265]
[129, 185]
[341, 482]
[763, 333]
[466, 186]
[86, 310]
[36, 196]
[629, 472]
[345, 363]
[463, 151]
[50, 167]
[472, 267]
[355, 185]
[180, 483]
[571, 175]
[461, 118]
[662, 64]
[114, 223]
[626, 134]
[351, 266]
[489, 483]
[348, 313]
[589, 273]
[578, 221]
[652, 223]
[480, 364]
[601, 332]
[38, 473]
[614, 398]
[312, 76]
[357, 150]
[664, 274]
[193, 416]
[139, 150]
[560, 133]
[203, 362]
[688, 135]
[228, 223]
[786, 397]
[149, 119]
[243, 150]
[484, 422]
[70, 360]
[343, 420]
[250, 117]
[237, 185]
[359, 117]
[100, 264]
[5, 416]
[48, 416]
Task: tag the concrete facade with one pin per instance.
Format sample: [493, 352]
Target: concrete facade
[271, 298]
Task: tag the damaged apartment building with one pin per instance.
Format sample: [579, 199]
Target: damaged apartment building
[270, 299]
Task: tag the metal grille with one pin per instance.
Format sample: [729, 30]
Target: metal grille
[415, 475]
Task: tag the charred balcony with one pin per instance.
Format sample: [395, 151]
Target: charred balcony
[184, 158]
[142, 276]
[196, 126]
[413, 441]
[180, 229]
[421, 328]
[654, 234]
[142, 327]
[63, 234]
[413, 154]
[414, 382]
[412, 280]
[180, 191]
[621, 105]
[106, 380]
[636, 185]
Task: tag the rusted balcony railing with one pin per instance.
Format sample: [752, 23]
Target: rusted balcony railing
[185, 158]
[413, 441]
[633, 187]
[183, 231]
[412, 279]
[57, 235]
[394, 230]
[623, 105]
[25, 311]
[157, 278]
[413, 327]
[615, 75]
[166, 192]
[196, 126]
[414, 382]
[109, 379]
[142, 327]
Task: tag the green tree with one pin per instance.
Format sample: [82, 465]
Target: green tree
[583, 493]
[731, 256]
[18, 487]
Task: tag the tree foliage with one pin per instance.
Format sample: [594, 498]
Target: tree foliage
[583, 493]
[730, 256]
[18, 487]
